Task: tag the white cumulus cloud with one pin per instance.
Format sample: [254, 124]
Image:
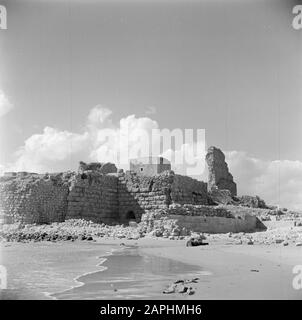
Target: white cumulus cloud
[46, 150]
[101, 140]
[5, 104]
[131, 138]
[278, 182]
[99, 116]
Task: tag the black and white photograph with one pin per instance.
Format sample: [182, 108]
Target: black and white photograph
[150, 150]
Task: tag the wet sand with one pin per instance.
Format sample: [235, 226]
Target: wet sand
[226, 271]
[131, 274]
[36, 269]
[87, 270]
[241, 272]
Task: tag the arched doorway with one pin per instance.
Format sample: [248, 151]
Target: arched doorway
[130, 216]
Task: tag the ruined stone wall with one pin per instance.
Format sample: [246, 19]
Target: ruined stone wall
[93, 196]
[252, 202]
[100, 167]
[99, 194]
[33, 199]
[188, 190]
[140, 194]
[208, 219]
[216, 224]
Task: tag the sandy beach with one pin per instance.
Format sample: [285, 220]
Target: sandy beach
[146, 267]
[240, 272]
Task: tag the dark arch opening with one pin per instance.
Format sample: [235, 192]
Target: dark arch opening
[130, 215]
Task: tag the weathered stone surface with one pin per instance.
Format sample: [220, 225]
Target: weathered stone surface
[105, 168]
[185, 190]
[33, 198]
[252, 202]
[217, 196]
[219, 174]
[100, 193]
[139, 194]
[202, 218]
[93, 195]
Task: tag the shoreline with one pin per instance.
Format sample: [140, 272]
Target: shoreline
[76, 279]
[51, 266]
[103, 258]
[232, 271]
[121, 282]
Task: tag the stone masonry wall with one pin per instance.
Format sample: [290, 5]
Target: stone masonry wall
[202, 218]
[140, 194]
[33, 199]
[101, 194]
[93, 196]
[188, 190]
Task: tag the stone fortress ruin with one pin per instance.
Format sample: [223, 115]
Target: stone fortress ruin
[149, 192]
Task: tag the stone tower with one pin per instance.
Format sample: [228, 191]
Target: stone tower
[219, 175]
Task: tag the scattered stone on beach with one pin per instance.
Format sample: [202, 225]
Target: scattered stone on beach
[194, 280]
[179, 281]
[198, 236]
[182, 288]
[281, 231]
[179, 286]
[299, 244]
[70, 230]
[190, 291]
[175, 232]
[170, 289]
[196, 239]
[195, 243]
[279, 241]
[165, 234]
[254, 270]
[250, 242]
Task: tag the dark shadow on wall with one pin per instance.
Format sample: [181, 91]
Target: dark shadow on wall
[260, 226]
[130, 216]
[129, 207]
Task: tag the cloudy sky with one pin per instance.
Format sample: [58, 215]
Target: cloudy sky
[71, 69]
